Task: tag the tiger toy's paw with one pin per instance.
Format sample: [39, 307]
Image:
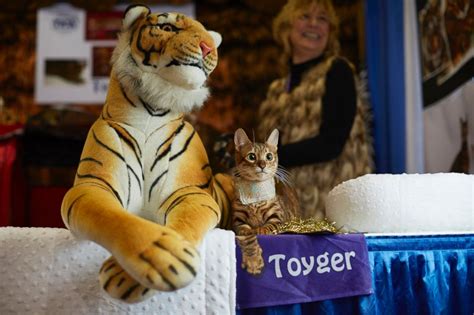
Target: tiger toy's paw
[253, 263]
[169, 262]
[120, 285]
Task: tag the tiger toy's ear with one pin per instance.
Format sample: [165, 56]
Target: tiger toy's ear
[273, 138]
[216, 37]
[240, 139]
[132, 13]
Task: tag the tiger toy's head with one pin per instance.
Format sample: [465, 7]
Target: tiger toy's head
[165, 57]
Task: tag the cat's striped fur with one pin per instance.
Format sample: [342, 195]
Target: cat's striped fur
[256, 170]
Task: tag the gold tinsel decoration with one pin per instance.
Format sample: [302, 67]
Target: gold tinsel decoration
[306, 226]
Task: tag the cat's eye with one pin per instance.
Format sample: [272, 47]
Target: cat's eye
[269, 156]
[251, 157]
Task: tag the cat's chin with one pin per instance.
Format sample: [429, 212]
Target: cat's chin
[257, 178]
[263, 177]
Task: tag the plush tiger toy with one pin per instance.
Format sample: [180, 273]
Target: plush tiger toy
[144, 189]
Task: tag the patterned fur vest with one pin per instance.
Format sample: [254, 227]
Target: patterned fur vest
[297, 115]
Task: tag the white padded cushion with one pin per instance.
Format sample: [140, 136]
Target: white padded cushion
[48, 271]
[404, 203]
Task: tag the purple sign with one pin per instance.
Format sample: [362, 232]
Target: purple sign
[305, 268]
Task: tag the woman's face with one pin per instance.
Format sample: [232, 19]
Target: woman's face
[309, 34]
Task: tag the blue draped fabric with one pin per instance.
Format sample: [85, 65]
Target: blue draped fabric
[410, 275]
[386, 80]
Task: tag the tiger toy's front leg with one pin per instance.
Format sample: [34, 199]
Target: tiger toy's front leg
[119, 284]
[146, 255]
[149, 252]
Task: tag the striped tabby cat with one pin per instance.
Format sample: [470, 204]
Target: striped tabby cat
[258, 207]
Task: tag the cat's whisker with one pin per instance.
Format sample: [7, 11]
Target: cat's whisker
[283, 175]
[285, 178]
[283, 170]
[287, 175]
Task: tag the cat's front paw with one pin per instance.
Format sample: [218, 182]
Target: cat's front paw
[253, 263]
[266, 230]
[120, 285]
[168, 262]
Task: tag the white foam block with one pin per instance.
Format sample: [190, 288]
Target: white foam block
[48, 271]
[404, 203]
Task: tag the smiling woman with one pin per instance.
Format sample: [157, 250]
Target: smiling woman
[316, 106]
[309, 34]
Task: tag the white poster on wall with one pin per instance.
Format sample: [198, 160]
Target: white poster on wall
[448, 143]
[446, 41]
[73, 49]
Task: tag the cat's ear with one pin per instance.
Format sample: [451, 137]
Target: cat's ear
[273, 138]
[240, 139]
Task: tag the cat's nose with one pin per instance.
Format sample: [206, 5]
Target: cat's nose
[261, 164]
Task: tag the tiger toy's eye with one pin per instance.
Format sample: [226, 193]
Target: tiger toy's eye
[167, 28]
[251, 157]
[269, 156]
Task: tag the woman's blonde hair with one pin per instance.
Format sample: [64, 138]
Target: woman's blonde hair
[292, 10]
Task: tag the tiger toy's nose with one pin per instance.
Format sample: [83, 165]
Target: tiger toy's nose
[205, 49]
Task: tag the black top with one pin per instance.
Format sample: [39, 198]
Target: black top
[338, 111]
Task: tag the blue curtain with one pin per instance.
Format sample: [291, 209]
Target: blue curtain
[385, 63]
[410, 275]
